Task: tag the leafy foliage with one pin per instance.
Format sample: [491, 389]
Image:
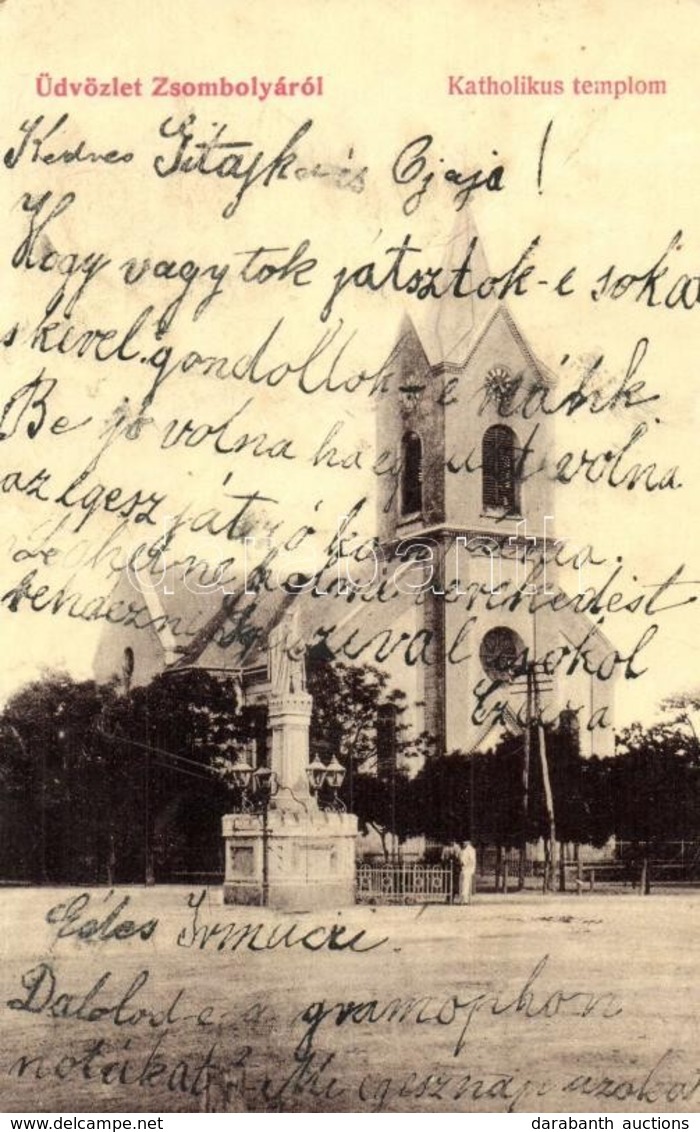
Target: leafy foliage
[105, 787]
[98, 786]
[655, 785]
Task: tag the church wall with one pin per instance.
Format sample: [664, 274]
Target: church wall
[144, 643]
[467, 621]
[396, 417]
[451, 414]
[468, 418]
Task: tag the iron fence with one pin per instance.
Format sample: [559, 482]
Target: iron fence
[404, 884]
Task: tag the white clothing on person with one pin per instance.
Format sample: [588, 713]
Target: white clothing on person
[467, 861]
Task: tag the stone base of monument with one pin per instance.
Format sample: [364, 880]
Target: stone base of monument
[294, 860]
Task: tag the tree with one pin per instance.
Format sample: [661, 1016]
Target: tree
[346, 699]
[655, 787]
[53, 776]
[178, 736]
[103, 787]
[344, 722]
[383, 806]
[480, 796]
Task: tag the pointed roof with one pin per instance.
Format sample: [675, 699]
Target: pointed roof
[446, 328]
[501, 312]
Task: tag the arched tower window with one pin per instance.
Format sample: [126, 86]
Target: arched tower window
[411, 474]
[499, 462]
[501, 652]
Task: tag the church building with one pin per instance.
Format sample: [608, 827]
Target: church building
[469, 602]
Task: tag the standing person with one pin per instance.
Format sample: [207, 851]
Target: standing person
[467, 862]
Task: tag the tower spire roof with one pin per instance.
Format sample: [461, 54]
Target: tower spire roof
[447, 328]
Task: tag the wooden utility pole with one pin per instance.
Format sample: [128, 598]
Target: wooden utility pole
[548, 797]
[526, 778]
[533, 718]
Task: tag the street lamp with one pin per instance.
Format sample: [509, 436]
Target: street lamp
[316, 774]
[258, 787]
[335, 774]
[265, 784]
[242, 773]
[330, 775]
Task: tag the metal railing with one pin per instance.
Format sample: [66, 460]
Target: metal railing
[404, 884]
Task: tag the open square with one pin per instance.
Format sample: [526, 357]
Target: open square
[518, 1003]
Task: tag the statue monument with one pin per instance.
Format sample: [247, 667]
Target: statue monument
[286, 657]
[288, 852]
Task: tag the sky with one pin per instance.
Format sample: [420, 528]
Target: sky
[606, 195]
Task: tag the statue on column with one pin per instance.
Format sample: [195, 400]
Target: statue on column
[286, 651]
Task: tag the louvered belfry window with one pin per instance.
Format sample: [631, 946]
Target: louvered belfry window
[499, 463]
[412, 474]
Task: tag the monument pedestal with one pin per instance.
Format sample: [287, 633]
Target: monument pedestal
[291, 855]
[291, 860]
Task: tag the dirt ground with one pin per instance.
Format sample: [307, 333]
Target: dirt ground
[147, 1000]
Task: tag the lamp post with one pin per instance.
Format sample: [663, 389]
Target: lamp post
[258, 788]
[242, 773]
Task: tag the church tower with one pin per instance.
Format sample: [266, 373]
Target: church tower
[471, 488]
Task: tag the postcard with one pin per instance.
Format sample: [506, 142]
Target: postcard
[348, 564]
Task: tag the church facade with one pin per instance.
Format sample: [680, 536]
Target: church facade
[466, 605]
[472, 497]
